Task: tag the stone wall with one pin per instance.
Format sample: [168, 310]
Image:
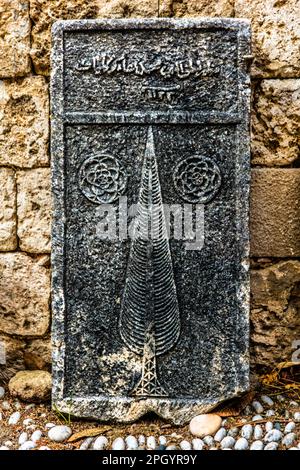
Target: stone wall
[25, 200]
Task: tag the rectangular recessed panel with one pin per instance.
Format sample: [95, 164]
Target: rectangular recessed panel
[150, 158]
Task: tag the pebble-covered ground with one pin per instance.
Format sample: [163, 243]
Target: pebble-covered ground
[267, 424]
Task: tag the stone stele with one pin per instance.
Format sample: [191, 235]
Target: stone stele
[152, 113]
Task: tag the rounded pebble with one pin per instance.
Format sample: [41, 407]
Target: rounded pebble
[4, 448]
[219, 436]
[257, 418]
[162, 440]
[185, 445]
[208, 441]
[49, 425]
[44, 448]
[267, 400]
[5, 405]
[248, 410]
[294, 404]
[273, 436]
[289, 439]
[14, 418]
[30, 406]
[2, 393]
[197, 444]
[257, 445]
[8, 443]
[297, 416]
[271, 446]
[59, 433]
[277, 426]
[289, 427]
[205, 425]
[241, 444]
[228, 442]
[293, 448]
[280, 398]
[28, 445]
[23, 438]
[233, 432]
[100, 443]
[257, 406]
[270, 413]
[268, 426]
[161, 447]
[247, 431]
[141, 440]
[36, 436]
[118, 444]
[258, 432]
[86, 443]
[131, 443]
[151, 443]
[172, 447]
[28, 421]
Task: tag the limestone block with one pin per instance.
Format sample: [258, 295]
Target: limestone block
[275, 122]
[14, 38]
[11, 356]
[275, 212]
[24, 127]
[34, 210]
[24, 295]
[8, 236]
[38, 354]
[275, 312]
[276, 36]
[31, 386]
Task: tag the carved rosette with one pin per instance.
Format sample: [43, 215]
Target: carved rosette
[102, 179]
[197, 179]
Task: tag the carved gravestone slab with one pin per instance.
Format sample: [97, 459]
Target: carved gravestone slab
[150, 114]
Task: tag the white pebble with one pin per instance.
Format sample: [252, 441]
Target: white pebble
[273, 436]
[36, 436]
[247, 431]
[280, 398]
[219, 436]
[293, 448]
[131, 443]
[258, 432]
[297, 416]
[248, 411]
[197, 444]
[151, 443]
[59, 433]
[233, 432]
[141, 440]
[205, 425]
[27, 421]
[267, 400]
[269, 426]
[8, 443]
[100, 443]
[86, 443]
[30, 406]
[289, 427]
[289, 439]
[44, 448]
[14, 418]
[271, 446]
[28, 445]
[118, 444]
[43, 415]
[49, 425]
[172, 447]
[162, 440]
[257, 418]
[5, 405]
[270, 413]
[185, 445]
[2, 393]
[31, 427]
[228, 442]
[208, 440]
[257, 406]
[257, 445]
[294, 404]
[241, 444]
[4, 448]
[23, 438]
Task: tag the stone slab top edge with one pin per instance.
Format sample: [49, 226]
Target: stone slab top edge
[152, 23]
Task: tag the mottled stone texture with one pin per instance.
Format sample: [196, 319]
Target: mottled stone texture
[275, 318]
[14, 38]
[43, 14]
[276, 36]
[38, 354]
[34, 210]
[12, 351]
[31, 386]
[275, 122]
[8, 236]
[24, 128]
[179, 8]
[24, 295]
[275, 213]
[123, 312]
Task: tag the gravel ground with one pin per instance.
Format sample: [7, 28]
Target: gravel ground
[267, 424]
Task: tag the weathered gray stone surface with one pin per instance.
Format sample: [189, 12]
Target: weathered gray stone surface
[157, 111]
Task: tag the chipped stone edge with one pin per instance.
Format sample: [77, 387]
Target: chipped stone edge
[123, 409]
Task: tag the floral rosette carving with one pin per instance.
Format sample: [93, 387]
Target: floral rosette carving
[197, 179]
[102, 179]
